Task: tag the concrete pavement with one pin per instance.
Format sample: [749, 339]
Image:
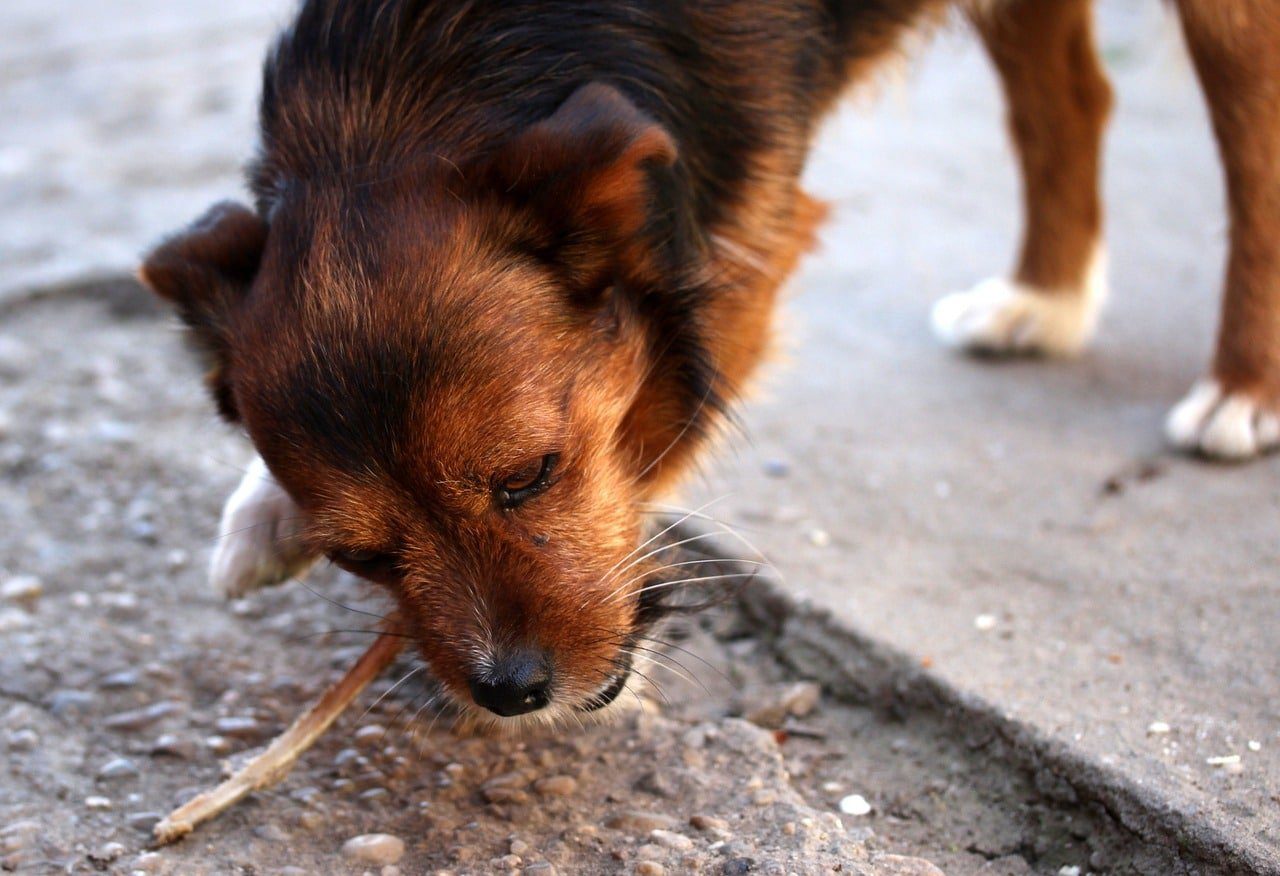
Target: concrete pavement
[1016, 528]
[1019, 528]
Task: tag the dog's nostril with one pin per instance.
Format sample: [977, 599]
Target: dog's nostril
[517, 684]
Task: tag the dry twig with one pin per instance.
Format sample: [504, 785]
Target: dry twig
[274, 763]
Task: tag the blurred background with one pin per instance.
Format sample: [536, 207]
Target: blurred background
[1079, 625]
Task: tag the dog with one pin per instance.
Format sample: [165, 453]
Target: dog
[509, 265]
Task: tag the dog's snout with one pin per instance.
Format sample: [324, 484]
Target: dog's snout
[517, 684]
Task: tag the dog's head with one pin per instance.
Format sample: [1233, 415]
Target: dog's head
[458, 375]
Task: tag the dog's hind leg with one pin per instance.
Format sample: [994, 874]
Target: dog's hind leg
[1235, 412]
[1059, 101]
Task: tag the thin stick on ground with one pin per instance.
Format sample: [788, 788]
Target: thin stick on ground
[274, 763]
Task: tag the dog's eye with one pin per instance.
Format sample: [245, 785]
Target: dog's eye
[366, 564]
[525, 483]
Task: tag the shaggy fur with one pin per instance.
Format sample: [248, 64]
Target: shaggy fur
[509, 263]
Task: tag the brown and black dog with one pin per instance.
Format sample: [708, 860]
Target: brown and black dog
[509, 262]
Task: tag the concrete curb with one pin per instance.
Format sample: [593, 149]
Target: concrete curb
[855, 667]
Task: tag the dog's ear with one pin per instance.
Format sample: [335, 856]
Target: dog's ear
[205, 271]
[589, 170]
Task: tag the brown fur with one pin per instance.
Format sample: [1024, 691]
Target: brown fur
[478, 246]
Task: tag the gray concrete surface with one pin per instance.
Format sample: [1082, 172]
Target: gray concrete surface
[1018, 527]
[122, 120]
[923, 491]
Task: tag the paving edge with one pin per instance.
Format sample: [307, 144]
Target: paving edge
[855, 667]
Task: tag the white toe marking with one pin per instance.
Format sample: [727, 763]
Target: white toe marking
[1000, 316]
[258, 543]
[1221, 424]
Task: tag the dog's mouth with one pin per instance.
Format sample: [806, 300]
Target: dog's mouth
[616, 685]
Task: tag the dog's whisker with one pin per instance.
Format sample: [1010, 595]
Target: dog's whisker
[728, 529]
[351, 608]
[653, 660]
[408, 675]
[662, 643]
[260, 523]
[293, 640]
[684, 541]
[649, 574]
[605, 575]
[665, 585]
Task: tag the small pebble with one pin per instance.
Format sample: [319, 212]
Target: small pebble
[1073, 870]
[637, 822]
[374, 848]
[1224, 760]
[1255, 745]
[650, 852]
[148, 862]
[218, 744]
[138, 719]
[118, 768]
[855, 804]
[798, 700]
[819, 537]
[672, 840]
[777, 468]
[119, 680]
[708, 822]
[12, 619]
[1158, 728]
[98, 803]
[109, 852]
[242, 726]
[143, 821]
[22, 589]
[650, 868]
[984, 622]
[272, 833]
[171, 745]
[518, 847]
[370, 734]
[556, 786]
[24, 739]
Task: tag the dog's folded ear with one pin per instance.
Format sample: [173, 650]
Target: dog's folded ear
[589, 171]
[205, 271]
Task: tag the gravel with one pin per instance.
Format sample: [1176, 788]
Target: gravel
[374, 848]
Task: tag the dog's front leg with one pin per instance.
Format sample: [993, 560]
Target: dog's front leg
[259, 537]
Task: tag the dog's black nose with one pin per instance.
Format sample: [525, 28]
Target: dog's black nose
[517, 684]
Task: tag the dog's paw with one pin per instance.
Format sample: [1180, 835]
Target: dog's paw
[258, 537]
[1000, 316]
[1222, 424]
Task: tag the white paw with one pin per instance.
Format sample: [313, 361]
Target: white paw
[1224, 425]
[999, 316]
[258, 537]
